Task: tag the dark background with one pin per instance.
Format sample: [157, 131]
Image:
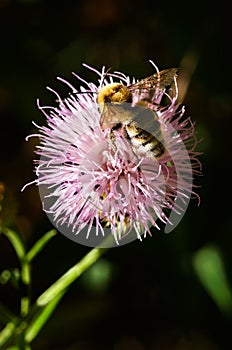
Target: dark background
[152, 299]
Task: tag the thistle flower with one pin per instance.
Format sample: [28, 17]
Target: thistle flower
[92, 186]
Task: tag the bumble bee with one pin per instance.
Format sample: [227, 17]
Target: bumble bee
[126, 108]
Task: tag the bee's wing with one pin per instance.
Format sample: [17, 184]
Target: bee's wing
[113, 114]
[107, 118]
[149, 89]
[156, 81]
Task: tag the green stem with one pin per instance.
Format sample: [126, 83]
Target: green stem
[47, 302]
[40, 244]
[16, 242]
[69, 277]
[37, 323]
[18, 245]
[32, 320]
[26, 282]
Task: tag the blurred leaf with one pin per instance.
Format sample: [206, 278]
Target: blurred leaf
[12, 276]
[6, 333]
[98, 277]
[26, 347]
[8, 206]
[5, 276]
[209, 267]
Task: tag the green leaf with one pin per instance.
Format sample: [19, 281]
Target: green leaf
[16, 242]
[6, 333]
[39, 245]
[15, 347]
[70, 276]
[26, 281]
[209, 267]
[18, 245]
[37, 323]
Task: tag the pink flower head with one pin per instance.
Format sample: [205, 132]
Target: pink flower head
[92, 186]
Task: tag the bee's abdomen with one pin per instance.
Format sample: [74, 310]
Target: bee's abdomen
[145, 134]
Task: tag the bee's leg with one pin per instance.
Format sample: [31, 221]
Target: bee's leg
[112, 140]
[118, 128]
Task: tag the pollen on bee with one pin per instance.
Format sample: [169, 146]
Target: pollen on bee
[114, 93]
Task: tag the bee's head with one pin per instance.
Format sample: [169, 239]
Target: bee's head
[114, 93]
